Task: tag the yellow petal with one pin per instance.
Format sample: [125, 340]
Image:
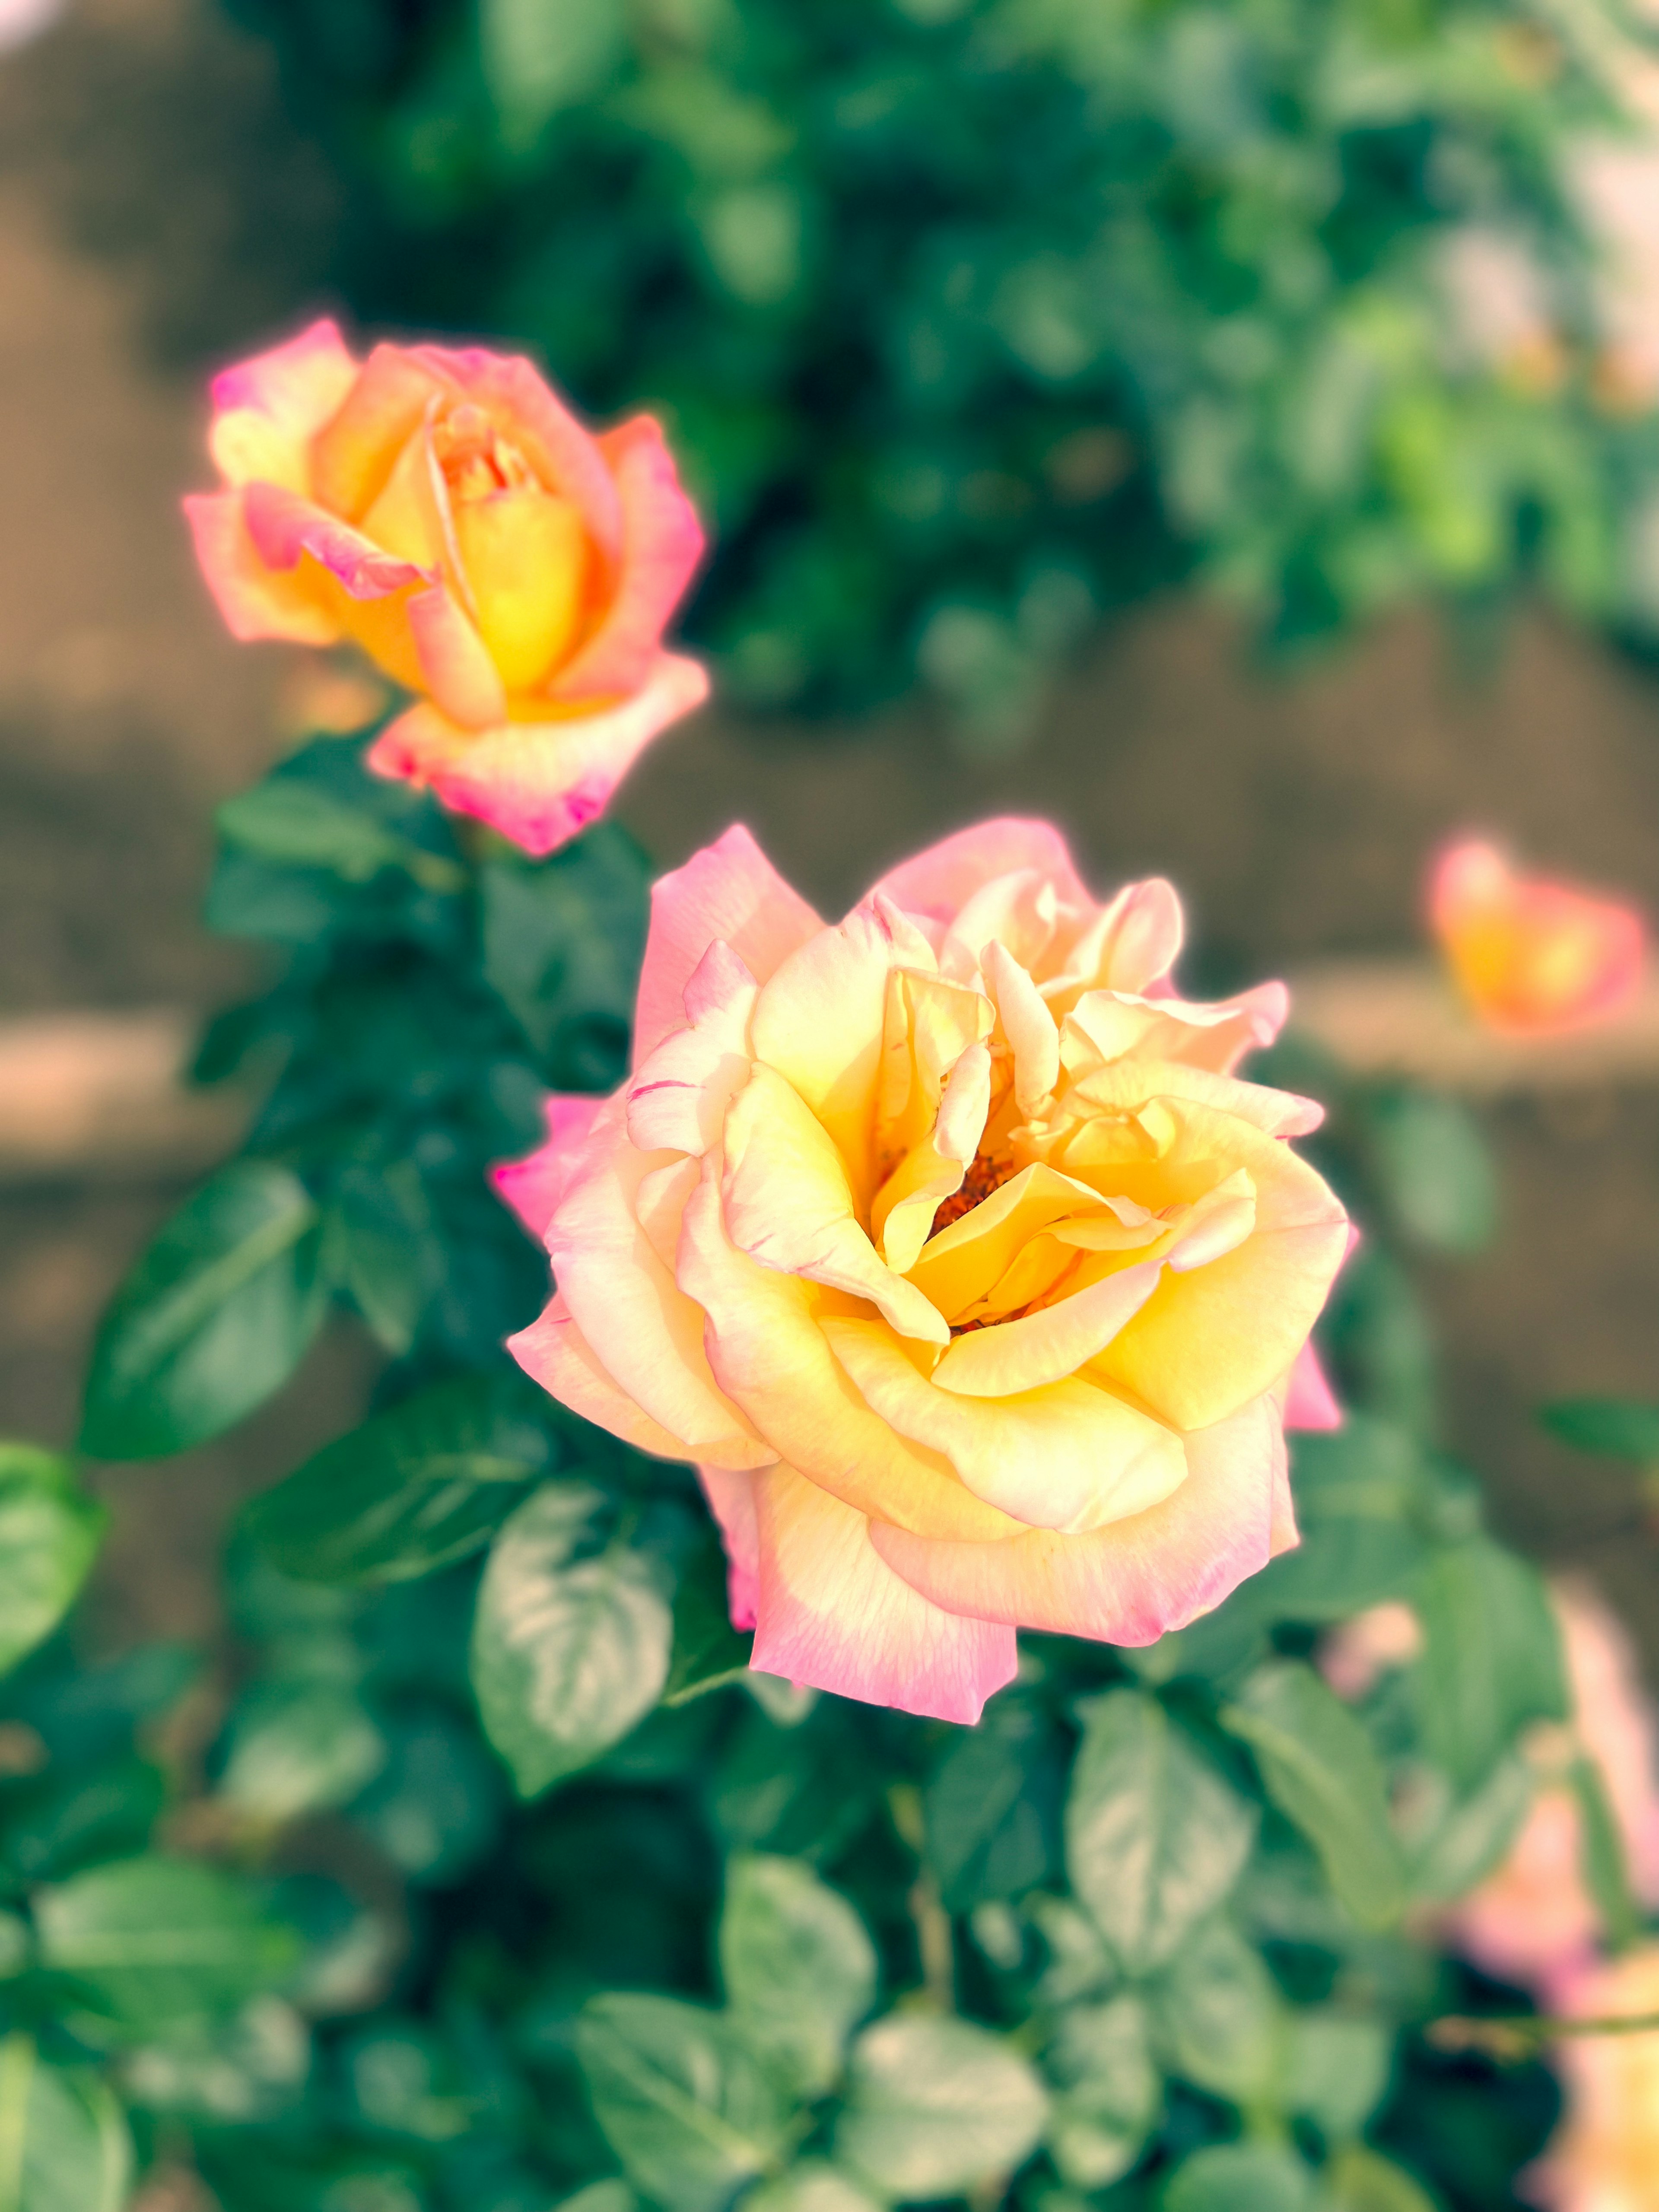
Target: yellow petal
[525, 553]
[1046, 1346]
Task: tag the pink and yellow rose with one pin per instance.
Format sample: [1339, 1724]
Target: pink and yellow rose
[1605, 2155]
[1532, 956]
[446, 512]
[946, 1243]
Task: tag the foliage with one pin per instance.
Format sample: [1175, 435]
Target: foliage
[608, 1917]
[973, 317]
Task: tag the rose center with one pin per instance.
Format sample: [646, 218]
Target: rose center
[476, 459]
[986, 1172]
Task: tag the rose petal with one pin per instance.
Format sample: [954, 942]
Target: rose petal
[554, 1352]
[832, 1615]
[662, 545]
[1310, 1402]
[1050, 1344]
[255, 600]
[533, 1186]
[354, 453]
[678, 1099]
[940, 881]
[266, 410]
[731, 1495]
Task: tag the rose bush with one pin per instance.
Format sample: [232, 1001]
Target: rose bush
[444, 510]
[947, 1244]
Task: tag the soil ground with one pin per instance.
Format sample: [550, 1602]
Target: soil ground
[159, 211]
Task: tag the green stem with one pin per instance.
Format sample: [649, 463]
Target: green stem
[1512, 2037]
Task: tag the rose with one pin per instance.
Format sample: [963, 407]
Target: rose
[946, 1244]
[1532, 956]
[1605, 2155]
[447, 513]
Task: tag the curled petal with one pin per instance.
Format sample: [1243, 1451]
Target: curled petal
[1108, 1025]
[554, 1352]
[1130, 946]
[730, 890]
[533, 1186]
[1046, 1346]
[537, 782]
[833, 1614]
[267, 410]
[254, 600]
[1027, 1023]
[940, 881]
[354, 453]
[678, 1099]
[284, 527]
[1132, 1580]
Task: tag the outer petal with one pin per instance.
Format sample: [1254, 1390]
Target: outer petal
[1131, 1581]
[1069, 1457]
[940, 881]
[284, 527]
[678, 1099]
[534, 1186]
[731, 1495]
[554, 1352]
[266, 410]
[644, 1331]
[354, 453]
[729, 890]
[662, 545]
[832, 1614]
[537, 782]
[771, 1358]
[566, 456]
[1211, 1037]
[255, 601]
[1310, 1403]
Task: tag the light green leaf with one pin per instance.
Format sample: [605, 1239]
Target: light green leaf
[1320, 1769]
[295, 823]
[1491, 1657]
[1220, 2016]
[1435, 1170]
[708, 1653]
[49, 1531]
[568, 1652]
[683, 2101]
[63, 2144]
[1359, 2179]
[299, 1746]
[799, 1968]
[413, 1489]
[937, 2106]
[1155, 1835]
[1336, 2069]
[1461, 1840]
[539, 58]
[150, 1940]
[811, 2186]
[1241, 2176]
[991, 1806]
[217, 1316]
[1603, 1860]
[1108, 2091]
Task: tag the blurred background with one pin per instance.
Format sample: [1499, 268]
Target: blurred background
[1229, 426]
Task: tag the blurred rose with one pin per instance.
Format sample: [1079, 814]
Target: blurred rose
[1534, 1922]
[1531, 954]
[1605, 2155]
[1357, 1652]
[946, 1243]
[446, 512]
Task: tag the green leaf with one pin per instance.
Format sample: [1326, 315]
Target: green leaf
[1155, 1835]
[63, 2144]
[1359, 2179]
[538, 59]
[69, 1818]
[382, 1242]
[1601, 1857]
[1319, 1768]
[937, 2106]
[1107, 2091]
[799, 1968]
[1491, 1657]
[296, 1747]
[1435, 1170]
[568, 1652]
[1463, 1840]
[1336, 2069]
[708, 1653]
[1357, 1491]
[50, 1531]
[562, 943]
[1242, 2177]
[811, 2186]
[151, 1940]
[435, 1808]
[992, 1804]
[683, 2101]
[298, 824]
[1220, 2018]
[215, 1316]
[413, 1489]
[1620, 1427]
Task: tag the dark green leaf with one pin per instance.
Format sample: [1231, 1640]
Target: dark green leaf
[1219, 2017]
[684, 2102]
[435, 1806]
[1243, 2177]
[1357, 1489]
[799, 1970]
[383, 1243]
[992, 1806]
[709, 1652]
[567, 1653]
[69, 1817]
[1491, 1658]
[50, 1531]
[300, 824]
[935, 2107]
[1155, 1835]
[1620, 1427]
[1434, 1168]
[415, 1489]
[1107, 2091]
[1320, 1769]
[217, 1316]
[563, 945]
[150, 1940]
[63, 2142]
